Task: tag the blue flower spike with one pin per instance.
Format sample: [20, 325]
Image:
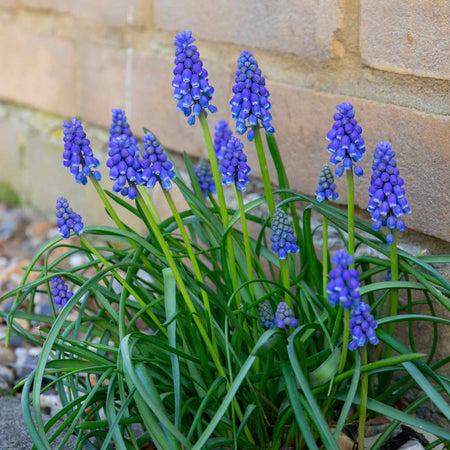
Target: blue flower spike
[205, 177]
[326, 189]
[119, 126]
[266, 314]
[283, 316]
[78, 154]
[124, 165]
[387, 194]
[221, 137]
[60, 291]
[66, 219]
[346, 144]
[233, 164]
[362, 326]
[250, 104]
[343, 286]
[282, 237]
[192, 90]
[155, 165]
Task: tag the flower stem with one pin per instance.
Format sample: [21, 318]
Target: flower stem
[221, 197]
[325, 256]
[247, 248]
[351, 215]
[264, 170]
[393, 304]
[192, 258]
[363, 394]
[344, 339]
[285, 281]
[123, 282]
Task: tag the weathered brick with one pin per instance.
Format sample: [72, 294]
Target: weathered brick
[37, 71]
[122, 12]
[7, 3]
[51, 5]
[402, 37]
[300, 27]
[9, 154]
[140, 82]
[303, 117]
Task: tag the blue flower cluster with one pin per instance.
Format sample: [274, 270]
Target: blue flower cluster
[266, 314]
[205, 177]
[233, 164]
[283, 316]
[192, 90]
[387, 196]
[119, 126]
[326, 187]
[344, 282]
[221, 137]
[346, 144]
[282, 237]
[78, 154]
[155, 165]
[60, 291]
[124, 165]
[66, 219]
[362, 327]
[250, 103]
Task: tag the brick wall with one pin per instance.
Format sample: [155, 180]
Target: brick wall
[390, 58]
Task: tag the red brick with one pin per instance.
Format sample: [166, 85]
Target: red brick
[405, 37]
[303, 117]
[301, 27]
[38, 71]
[118, 12]
[144, 90]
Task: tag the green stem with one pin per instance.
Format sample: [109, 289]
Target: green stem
[264, 170]
[325, 256]
[187, 299]
[247, 248]
[123, 282]
[285, 280]
[363, 393]
[351, 215]
[344, 339]
[150, 204]
[221, 198]
[394, 293]
[192, 258]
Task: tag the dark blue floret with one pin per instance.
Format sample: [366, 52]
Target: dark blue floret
[205, 177]
[124, 165]
[250, 104]
[221, 137]
[326, 189]
[266, 314]
[283, 238]
[387, 195]
[119, 126]
[66, 219]
[346, 144]
[60, 291]
[155, 165]
[78, 154]
[192, 90]
[344, 282]
[362, 327]
[233, 164]
[283, 316]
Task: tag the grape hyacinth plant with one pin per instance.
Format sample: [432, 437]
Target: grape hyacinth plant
[191, 87]
[168, 338]
[60, 291]
[78, 155]
[67, 220]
